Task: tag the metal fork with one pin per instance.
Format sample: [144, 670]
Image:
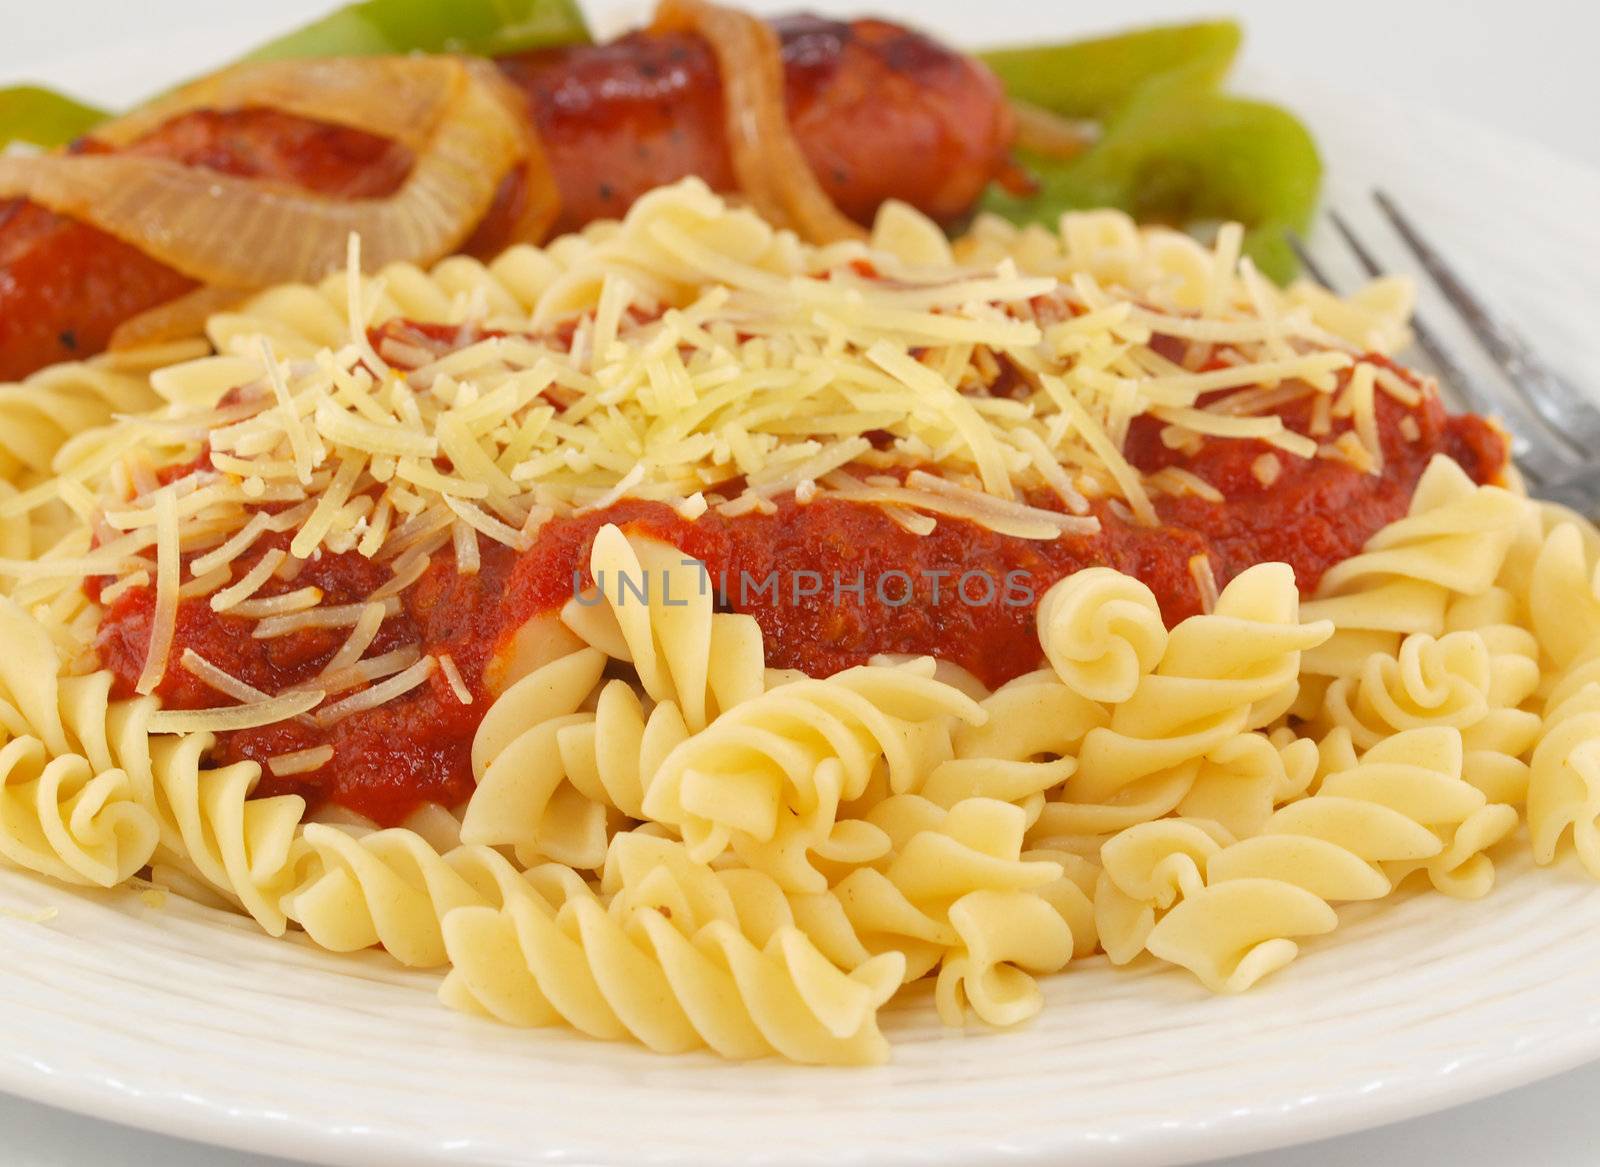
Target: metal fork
[1554, 426]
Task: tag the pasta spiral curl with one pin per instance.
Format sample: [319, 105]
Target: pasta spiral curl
[1024, 748]
[61, 818]
[302, 319]
[39, 414]
[1224, 673]
[1453, 541]
[1404, 808]
[1002, 912]
[1456, 680]
[1240, 783]
[657, 614]
[390, 888]
[555, 779]
[956, 893]
[665, 960]
[1564, 785]
[1429, 681]
[1102, 633]
[1564, 595]
[768, 777]
[68, 809]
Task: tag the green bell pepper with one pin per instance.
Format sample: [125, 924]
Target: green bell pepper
[1174, 148]
[371, 28]
[1094, 78]
[483, 28]
[44, 118]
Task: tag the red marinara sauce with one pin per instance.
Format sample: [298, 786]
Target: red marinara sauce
[846, 582]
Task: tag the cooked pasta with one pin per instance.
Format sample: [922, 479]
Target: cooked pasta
[1221, 674]
[358, 889]
[692, 635]
[40, 414]
[1231, 910]
[1564, 784]
[768, 778]
[667, 963]
[657, 615]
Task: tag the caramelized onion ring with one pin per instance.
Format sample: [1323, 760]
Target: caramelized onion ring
[1043, 132]
[176, 319]
[767, 160]
[461, 118]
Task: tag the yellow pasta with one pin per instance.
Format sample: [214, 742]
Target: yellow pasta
[652, 834]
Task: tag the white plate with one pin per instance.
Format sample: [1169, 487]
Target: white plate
[187, 1021]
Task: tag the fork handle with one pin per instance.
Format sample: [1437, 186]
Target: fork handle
[1579, 492]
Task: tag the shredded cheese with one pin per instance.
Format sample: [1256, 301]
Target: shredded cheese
[452, 675]
[165, 620]
[300, 761]
[380, 694]
[251, 715]
[713, 365]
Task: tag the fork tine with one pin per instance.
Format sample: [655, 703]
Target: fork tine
[1450, 370]
[1303, 254]
[1571, 412]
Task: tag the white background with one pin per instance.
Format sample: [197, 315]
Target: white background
[1526, 68]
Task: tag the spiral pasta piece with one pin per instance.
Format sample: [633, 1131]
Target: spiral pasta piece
[1499, 744]
[956, 895]
[1564, 782]
[767, 778]
[1102, 632]
[653, 608]
[1240, 783]
[563, 786]
[1232, 911]
[666, 963]
[1564, 595]
[1429, 682]
[1222, 674]
[1474, 678]
[303, 319]
[68, 807]
[1454, 541]
[1023, 749]
[358, 889]
[212, 832]
[41, 413]
[62, 818]
[523, 799]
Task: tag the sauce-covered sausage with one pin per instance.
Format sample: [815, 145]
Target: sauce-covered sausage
[880, 112]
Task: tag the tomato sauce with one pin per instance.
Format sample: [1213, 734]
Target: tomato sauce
[830, 582]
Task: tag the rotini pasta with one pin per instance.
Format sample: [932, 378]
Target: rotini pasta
[768, 777]
[1221, 674]
[666, 963]
[378, 622]
[1453, 542]
[1231, 910]
[40, 414]
[1102, 632]
[391, 889]
[657, 615]
[1564, 783]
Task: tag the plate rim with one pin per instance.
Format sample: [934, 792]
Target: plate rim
[1416, 1093]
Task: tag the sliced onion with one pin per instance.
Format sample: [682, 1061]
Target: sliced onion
[462, 119]
[768, 163]
[1043, 132]
[175, 320]
[393, 97]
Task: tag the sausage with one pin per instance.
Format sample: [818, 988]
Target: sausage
[879, 111]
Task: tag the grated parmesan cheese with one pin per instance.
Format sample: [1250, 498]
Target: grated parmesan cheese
[300, 761]
[713, 364]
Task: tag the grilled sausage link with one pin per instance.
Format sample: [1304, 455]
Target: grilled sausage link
[879, 111]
